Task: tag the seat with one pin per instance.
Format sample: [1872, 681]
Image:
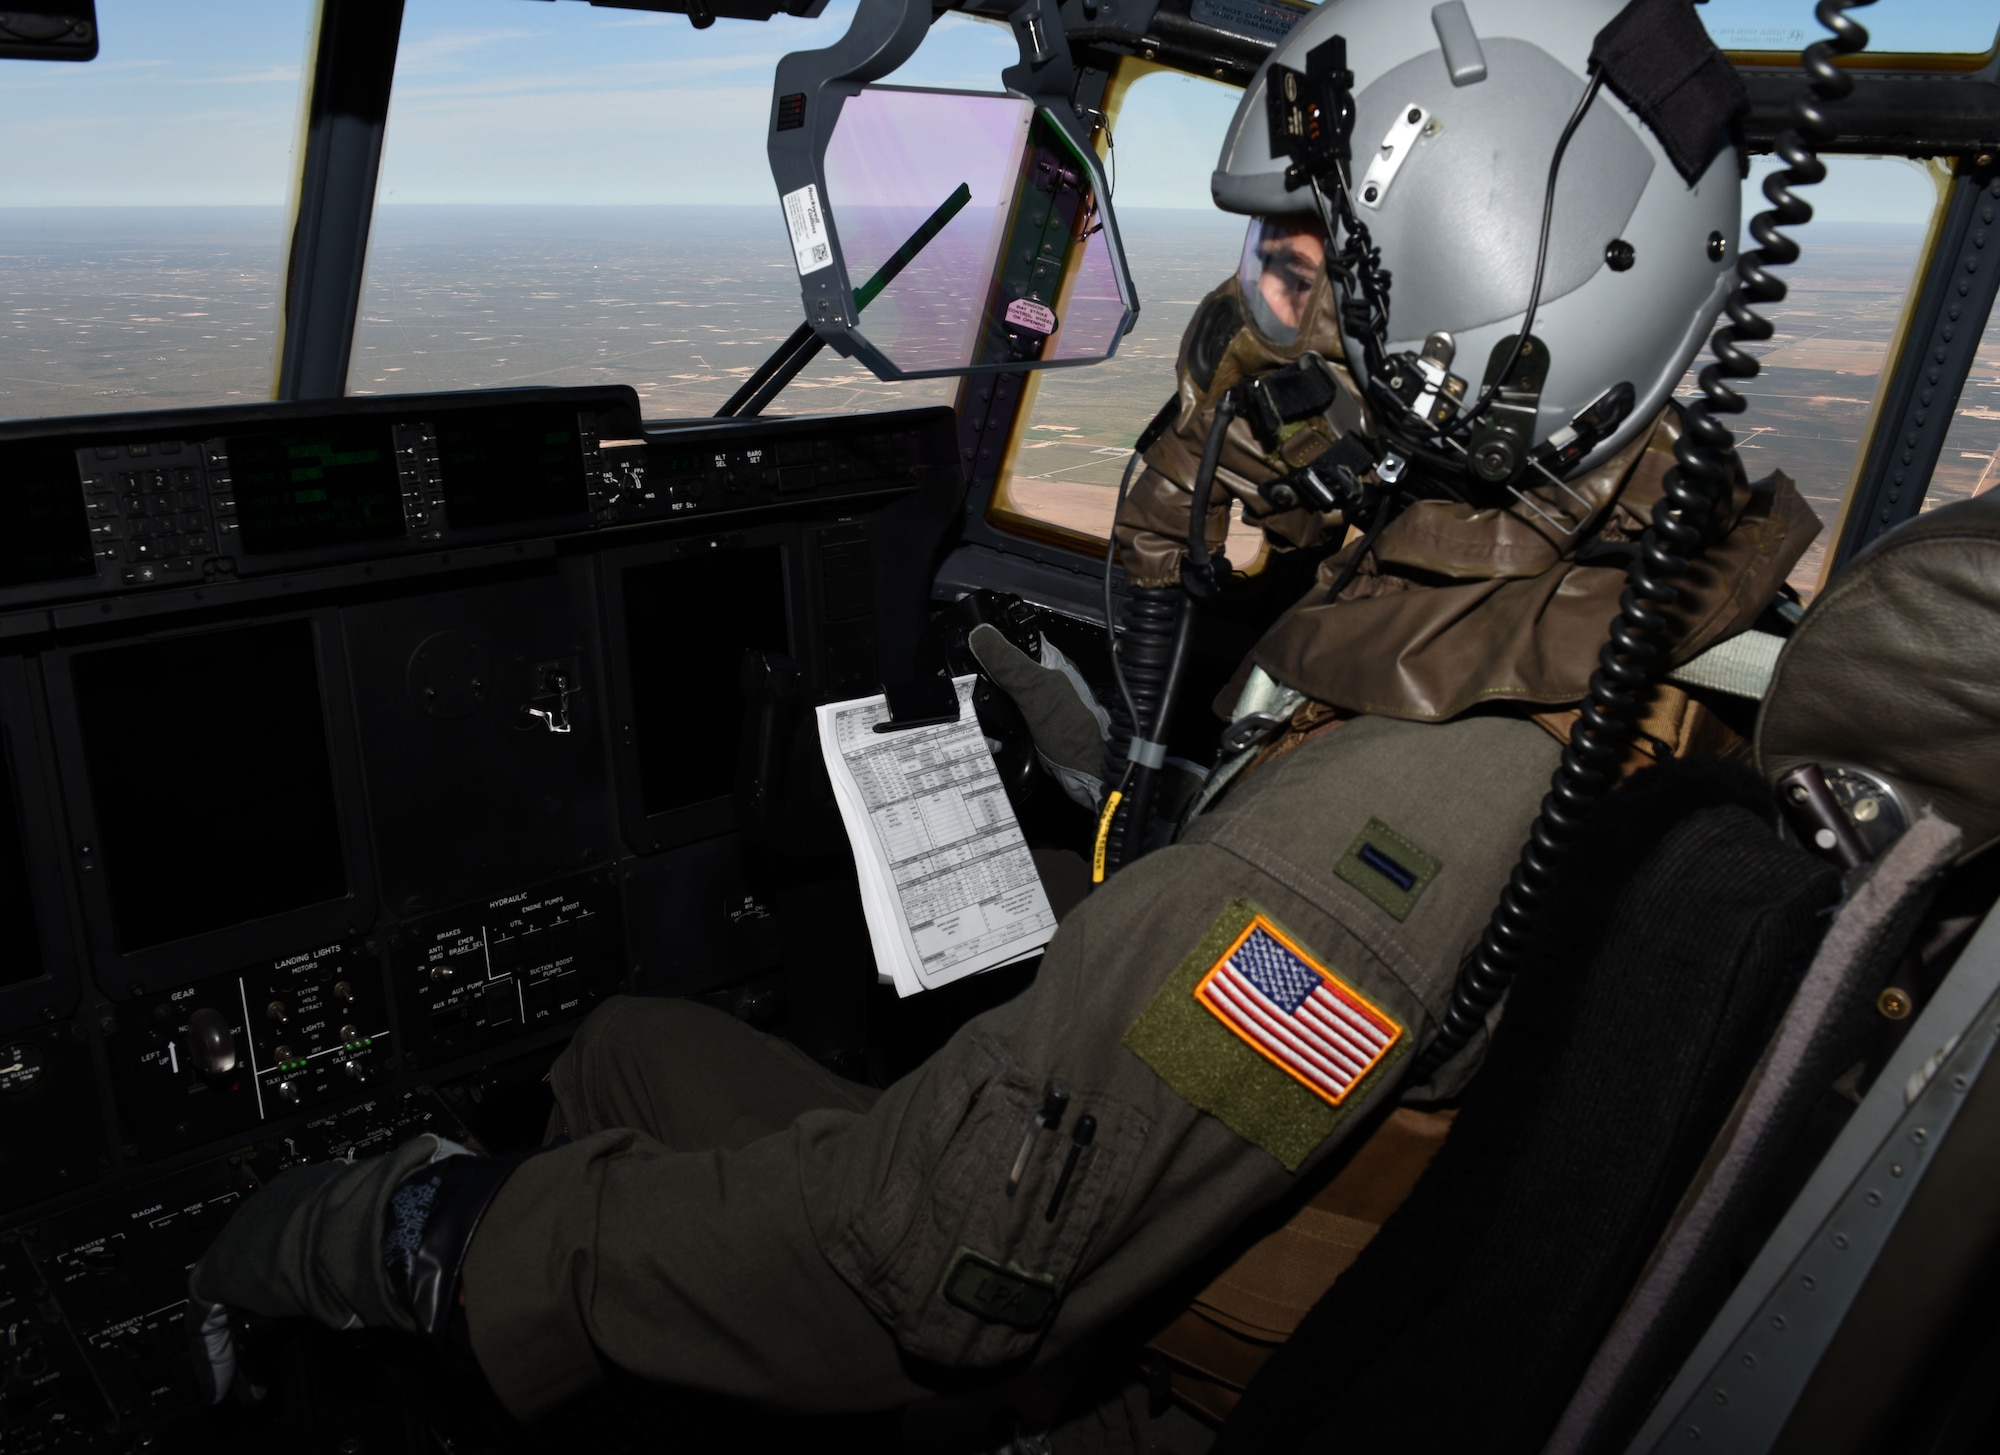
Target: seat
[1894, 671]
[1469, 1319]
[1617, 1151]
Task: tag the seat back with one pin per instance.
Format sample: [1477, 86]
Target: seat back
[1826, 1027]
[1470, 1318]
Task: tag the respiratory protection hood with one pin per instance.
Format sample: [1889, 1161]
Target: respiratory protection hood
[1276, 315]
[1282, 259]
[1458, 111]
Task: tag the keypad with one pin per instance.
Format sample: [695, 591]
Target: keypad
[149, 508]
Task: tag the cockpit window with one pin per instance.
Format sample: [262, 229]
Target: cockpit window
[1970, 462]
[1941, 28]
[572, 195]
[143, 208]
[1808, 410]
[1064, 469]
[1809, 407]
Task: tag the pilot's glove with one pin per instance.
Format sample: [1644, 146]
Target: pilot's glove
[369, 1244]
[1063, 716]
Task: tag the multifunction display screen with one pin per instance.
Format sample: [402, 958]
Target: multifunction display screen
[210, 778]
[504, 468]
[316, 486]
[684, 649]
[44, 535]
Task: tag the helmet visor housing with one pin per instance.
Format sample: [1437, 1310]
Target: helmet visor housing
[1638, 262]
[1282, 259]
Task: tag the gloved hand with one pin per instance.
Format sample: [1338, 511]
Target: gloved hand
[1063, 716]
[312, 1244]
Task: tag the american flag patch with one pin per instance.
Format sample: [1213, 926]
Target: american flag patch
[1296, 1013]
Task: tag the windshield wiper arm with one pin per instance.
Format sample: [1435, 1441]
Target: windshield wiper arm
[804, 345]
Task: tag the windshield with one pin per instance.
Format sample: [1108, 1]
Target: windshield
[1941, 27]
[568, 195]
[575, 195]
[142, 208]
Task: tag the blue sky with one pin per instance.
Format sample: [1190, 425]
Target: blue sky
[196, 102]
[1892, 25]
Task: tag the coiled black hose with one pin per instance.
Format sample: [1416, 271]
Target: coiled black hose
[1160, 624]
[1148, 624]
[1632, 660]
[1152, 648]
[1198, 571]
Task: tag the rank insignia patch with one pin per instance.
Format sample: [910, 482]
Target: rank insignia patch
[1295, 1013]
[1255, 1031]
[1388, 868]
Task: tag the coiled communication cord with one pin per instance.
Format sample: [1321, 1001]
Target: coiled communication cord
[1631, 661]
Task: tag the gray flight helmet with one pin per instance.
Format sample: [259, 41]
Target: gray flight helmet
[1459, 220]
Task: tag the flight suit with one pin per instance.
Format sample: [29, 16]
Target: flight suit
[729, 1216]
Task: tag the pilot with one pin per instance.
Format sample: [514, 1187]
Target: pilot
[713, 1210]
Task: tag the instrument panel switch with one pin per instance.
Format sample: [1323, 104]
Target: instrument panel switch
[210, 1044]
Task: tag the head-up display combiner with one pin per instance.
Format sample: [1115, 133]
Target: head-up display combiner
[1027, 273]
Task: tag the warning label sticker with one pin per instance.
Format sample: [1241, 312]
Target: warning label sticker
[810, 244]
[1027, 313]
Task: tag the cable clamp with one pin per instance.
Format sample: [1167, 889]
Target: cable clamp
[1146, 753]
[1252, 729]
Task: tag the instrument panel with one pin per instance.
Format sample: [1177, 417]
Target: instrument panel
[178, 498]
[350, 753]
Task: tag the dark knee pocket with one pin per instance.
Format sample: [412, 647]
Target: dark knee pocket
[928, 1235]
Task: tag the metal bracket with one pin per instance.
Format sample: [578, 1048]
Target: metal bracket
[811, 87]
[807, 93]
[1744, 1379]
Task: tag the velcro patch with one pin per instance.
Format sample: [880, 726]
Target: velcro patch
[1295, 1013]
[1388, 868]
[1248, 1067]
[1000, 1294]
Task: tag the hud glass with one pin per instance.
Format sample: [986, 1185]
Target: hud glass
[984, 219]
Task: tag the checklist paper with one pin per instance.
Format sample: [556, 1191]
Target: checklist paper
[947, 882]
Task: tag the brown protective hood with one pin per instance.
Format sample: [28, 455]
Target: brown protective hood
[1896, 669]
[1459, 608]
[1153, 526]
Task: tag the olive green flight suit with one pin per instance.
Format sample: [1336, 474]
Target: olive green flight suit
[732, 1217]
